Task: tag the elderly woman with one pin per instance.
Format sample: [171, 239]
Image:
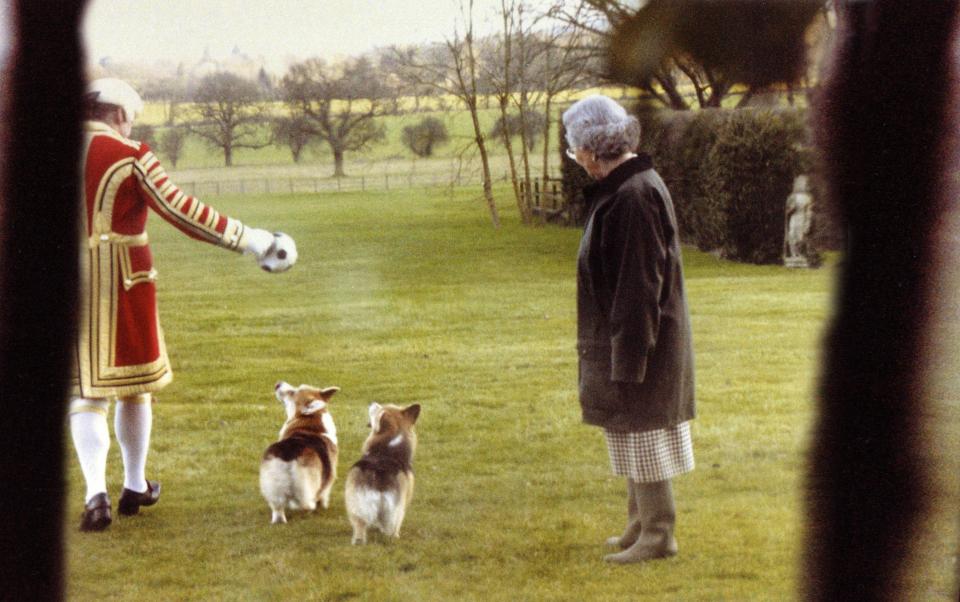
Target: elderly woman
[633, 325]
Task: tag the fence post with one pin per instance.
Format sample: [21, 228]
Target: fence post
[536, 192]
[553, 194]
[386, 179]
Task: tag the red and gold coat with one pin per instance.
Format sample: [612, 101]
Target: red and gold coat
[120, 349]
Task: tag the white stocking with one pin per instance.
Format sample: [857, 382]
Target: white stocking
[133, 421]
[91, 438]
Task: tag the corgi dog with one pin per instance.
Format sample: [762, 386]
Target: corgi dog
[299, 469]
[380, 485]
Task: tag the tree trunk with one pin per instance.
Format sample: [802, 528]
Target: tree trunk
[525, 154]
[338, 163]
[511, 160]
[545, 176]
[485, 164]
[228, 155]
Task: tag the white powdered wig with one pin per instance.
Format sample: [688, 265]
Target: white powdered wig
[113, 91]
[600, 125]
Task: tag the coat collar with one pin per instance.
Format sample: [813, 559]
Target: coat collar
[618, 176]
[97, 126]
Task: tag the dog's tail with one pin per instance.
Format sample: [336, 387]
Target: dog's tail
[373, 506]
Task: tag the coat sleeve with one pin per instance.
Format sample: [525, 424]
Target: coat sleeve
[185, 212]
[634, 251]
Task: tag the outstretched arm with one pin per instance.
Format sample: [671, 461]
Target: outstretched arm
[191, 216]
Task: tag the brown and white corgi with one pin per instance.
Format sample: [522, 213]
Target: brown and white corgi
[299, 469]
[380, 485]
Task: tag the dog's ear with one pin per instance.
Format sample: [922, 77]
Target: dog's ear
[313, 407]
[327, 393]
[375, 411]
[412, 413]
[282, 390]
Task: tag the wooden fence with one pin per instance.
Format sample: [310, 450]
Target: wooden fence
[547, 198]
[550, 200]
[300, 184]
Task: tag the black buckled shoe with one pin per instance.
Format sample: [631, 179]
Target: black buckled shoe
[96, 514]
[130, 500]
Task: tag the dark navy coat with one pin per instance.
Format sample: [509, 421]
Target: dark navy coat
[633, 325]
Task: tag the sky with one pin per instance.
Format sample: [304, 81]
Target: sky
[181, 30]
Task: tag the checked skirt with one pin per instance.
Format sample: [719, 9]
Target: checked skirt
[650, 456]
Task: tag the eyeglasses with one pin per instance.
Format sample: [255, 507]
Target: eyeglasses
[571, 153]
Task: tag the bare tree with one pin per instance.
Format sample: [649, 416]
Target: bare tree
[338, 104]
[171, 143]
[170, 91]
[527, 50]
[294, 132]
[394, 65]
[453, 69]
[231, 114]
[500, 66]
[533, 59]
[559, 63]
[402, 62]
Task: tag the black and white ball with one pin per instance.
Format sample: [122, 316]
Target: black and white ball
[281, 255]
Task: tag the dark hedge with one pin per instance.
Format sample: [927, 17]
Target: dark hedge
[729, 173]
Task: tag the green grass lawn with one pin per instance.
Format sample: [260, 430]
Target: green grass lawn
[413, 297]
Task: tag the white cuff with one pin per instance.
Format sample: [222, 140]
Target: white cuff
[256, 241]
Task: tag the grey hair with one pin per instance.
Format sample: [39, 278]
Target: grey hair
[600, 125]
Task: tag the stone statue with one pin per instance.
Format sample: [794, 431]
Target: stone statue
[798, 250]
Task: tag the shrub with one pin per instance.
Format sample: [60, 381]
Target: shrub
[574, 179]
[424, 136]
[514, 126]
[729, 173]
[749, 171]
[171, 144]
[681, 142]
[144, 133]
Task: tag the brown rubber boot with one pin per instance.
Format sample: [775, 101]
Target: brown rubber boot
[658, 517]
[632, 530]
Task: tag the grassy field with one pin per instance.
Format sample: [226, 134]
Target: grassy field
[201, 163]
[197, 155]
[413, 297]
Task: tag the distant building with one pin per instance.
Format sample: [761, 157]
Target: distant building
[142, 74]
